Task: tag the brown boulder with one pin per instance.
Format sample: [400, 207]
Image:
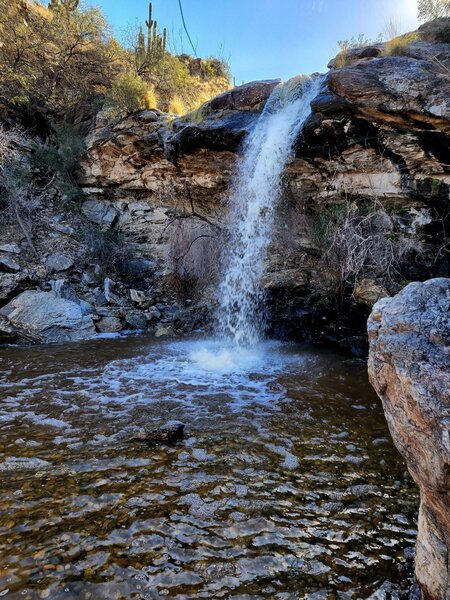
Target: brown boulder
[409, 367]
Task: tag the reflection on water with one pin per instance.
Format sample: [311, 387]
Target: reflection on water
[286, 484]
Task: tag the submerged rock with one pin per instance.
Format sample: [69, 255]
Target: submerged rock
[169, 433]
[409, 367]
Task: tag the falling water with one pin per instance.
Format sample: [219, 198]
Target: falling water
[254, 197]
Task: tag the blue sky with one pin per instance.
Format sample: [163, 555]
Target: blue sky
[265, 39]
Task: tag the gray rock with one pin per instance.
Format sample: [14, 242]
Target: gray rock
[86, 279]
[136, 319]
[109, 325]
[97, 211]
[86, 307]
[164, 330]
[58, 262]
[11, 248]
[137, 297]
[108, 286]
[8, 265]
[46, 315]
[11, 333]
[9, 282]
[61, 228]
[409, 367]
[152, 314]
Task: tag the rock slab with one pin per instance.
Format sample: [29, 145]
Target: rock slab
[409, 367]
[48, 316]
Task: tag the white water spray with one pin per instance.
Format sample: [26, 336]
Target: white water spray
[254, 197]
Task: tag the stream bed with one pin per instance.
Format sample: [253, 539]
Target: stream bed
[286, 484]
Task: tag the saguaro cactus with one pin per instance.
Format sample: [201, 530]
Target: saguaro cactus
[140, 49]
[156, 43]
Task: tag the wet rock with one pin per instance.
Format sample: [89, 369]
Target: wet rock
[8, 264]
[101, 213]
[109, 325]
[164, 330]
[169, 433]
[409, 367]
[45, 315]
[58, 262]
[23, 463]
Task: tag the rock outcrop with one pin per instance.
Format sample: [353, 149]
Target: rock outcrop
[409, 367]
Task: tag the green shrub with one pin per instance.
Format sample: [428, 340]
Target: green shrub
[127, 94]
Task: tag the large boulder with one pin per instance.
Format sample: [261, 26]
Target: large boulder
[49, 317]
[409, 367]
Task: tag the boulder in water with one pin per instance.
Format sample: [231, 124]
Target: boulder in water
[169, 433]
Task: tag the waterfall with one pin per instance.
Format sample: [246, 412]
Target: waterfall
[253, 198]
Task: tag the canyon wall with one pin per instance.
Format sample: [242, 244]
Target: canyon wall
[377, 143]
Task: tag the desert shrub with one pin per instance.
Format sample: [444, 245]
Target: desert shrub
[53, 59]
[432, 9]
[61, 152]
[398, 45]
[19, 198]
[193, 257]
[128, 94]
[356, 238]
[170, 78]
[343, 59]
[107, 248]
[57, 158]
[217, 67]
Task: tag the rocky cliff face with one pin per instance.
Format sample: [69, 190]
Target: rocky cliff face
[375, 145]
[364, 206]
[409, 366]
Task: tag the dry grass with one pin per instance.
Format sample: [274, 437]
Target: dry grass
[151, 100]
[177, 106]
[399, 45]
